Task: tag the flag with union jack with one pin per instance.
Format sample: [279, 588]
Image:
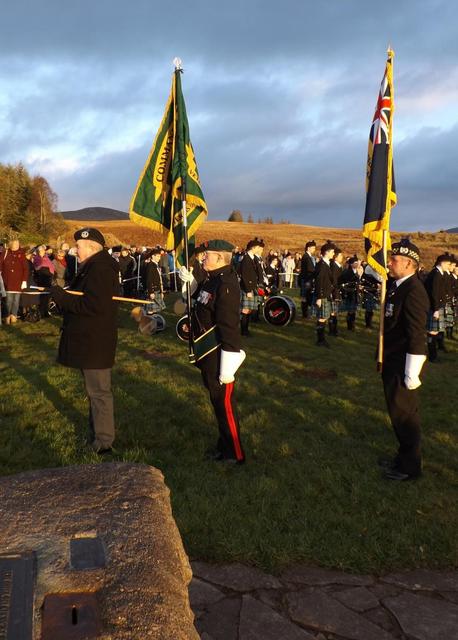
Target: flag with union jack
[380, 185]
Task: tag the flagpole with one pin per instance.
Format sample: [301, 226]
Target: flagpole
[192, 357]
[385, 232]
[382, 309]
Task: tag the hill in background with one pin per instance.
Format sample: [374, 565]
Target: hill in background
[453, 230]
[95, 214]
[276, 236]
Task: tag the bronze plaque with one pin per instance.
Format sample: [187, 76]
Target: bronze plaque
[70, 616]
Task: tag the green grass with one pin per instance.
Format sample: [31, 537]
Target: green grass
[313, 424]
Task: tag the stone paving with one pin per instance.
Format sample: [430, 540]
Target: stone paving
[236, 602]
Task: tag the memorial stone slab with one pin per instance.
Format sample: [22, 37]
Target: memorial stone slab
[142, 591]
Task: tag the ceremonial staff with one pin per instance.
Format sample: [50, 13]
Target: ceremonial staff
[380, 189]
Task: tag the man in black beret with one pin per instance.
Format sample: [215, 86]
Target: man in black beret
[217, 342]
[404, 354]
[89, 331]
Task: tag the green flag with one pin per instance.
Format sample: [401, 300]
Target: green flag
[170, 176]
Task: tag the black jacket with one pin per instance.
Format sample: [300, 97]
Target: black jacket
[250, 274]
[307, 268]
[152, 278]
[89, 330]
[323, 281]
[336, 271]
[406, 311]
[218, 303]
[436, 289]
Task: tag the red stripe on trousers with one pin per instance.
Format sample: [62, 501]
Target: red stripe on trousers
[231, 421]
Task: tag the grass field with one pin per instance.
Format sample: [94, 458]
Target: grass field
[313, 425]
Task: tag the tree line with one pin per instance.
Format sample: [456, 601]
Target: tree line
[28, 205]
[237, 216]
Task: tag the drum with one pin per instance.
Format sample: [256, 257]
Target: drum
[279, 311]
[182, 328]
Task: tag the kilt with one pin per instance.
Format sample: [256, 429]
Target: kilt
[155, 305]
[335, 306]
[449, 315]
[250, 303]
[323, 312]
[349, 304]
[370, 302]
[436, 324]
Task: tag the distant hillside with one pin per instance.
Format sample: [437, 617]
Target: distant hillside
[95, 213]
[453, 230]
[276, 236]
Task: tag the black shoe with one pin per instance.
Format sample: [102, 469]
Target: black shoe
[229, 461]
[399, 476]
[387, 463]
[105, 452]
[213, 454]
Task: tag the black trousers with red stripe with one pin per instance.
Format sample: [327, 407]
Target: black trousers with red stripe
[223, 401]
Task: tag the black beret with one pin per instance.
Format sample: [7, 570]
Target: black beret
[405, 248]
[89, 233]
[328, 246]
[256, 242]
[216, 245]
[353, 259]
[445, 257]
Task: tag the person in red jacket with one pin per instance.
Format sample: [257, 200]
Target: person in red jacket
[14, 271]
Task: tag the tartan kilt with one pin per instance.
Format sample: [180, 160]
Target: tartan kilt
[335, 306]
[349, 304]
[156, 305]
[250, 303]
[449, 315]
[370, 302]
[323, 312]
[436, 324]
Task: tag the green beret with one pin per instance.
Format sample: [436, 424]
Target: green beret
[216, 245]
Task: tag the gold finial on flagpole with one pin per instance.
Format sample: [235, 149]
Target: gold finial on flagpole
[390, 52]
[177, 62]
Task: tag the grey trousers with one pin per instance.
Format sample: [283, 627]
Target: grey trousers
[101, 413]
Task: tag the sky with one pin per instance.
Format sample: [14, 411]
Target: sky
[280, 98]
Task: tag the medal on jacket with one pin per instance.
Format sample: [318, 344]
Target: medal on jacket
[204, 297]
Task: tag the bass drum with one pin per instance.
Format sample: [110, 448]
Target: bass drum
[279, 311]
[182, 328]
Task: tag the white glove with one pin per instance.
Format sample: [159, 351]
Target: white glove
[230, 362]
[23, 284]
[414, 364]
[185, 277]
[185, 274]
